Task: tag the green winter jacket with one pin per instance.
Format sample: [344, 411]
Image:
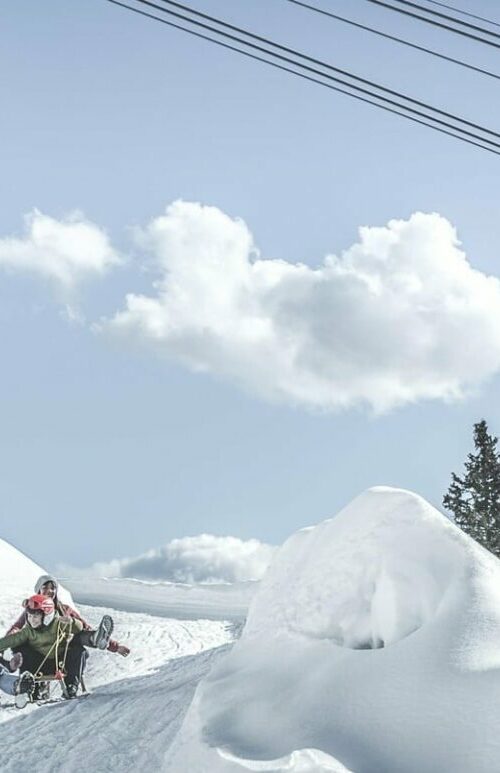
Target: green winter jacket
[43, 639]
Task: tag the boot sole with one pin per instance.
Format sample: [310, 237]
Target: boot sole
[104, 632]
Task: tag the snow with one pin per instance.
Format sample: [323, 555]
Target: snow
[18, 572]
[373, 640]
[371, 646]
[124, 726]
[137, 703]
[167, 599]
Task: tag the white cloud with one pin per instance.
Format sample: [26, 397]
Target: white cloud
[204, 558]
[399, 316]
[65, 251]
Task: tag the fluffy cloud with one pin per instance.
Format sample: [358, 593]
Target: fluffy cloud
[65, 251]
[204, 558]
[400, 316]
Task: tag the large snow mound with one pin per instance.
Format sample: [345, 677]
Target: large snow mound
[369, 577]
[373, 643]
[18, 575]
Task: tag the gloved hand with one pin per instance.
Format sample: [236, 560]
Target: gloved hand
[123, 650]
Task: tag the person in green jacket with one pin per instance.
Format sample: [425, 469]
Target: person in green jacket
[45, 640]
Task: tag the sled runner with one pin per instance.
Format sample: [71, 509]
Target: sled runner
[42, 691]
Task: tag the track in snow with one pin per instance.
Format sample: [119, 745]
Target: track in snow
[137, 703]
[121, 727]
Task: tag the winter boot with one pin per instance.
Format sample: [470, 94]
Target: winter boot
[100, 637]
[70, 689]
[24, 689]
[41, 691]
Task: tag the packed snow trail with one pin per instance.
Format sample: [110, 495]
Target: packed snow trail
[136, 705]
[121, 727]
[153, 641]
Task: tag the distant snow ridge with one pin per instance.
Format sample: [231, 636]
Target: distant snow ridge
[373, 645]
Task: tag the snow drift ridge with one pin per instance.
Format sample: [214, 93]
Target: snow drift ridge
[374, 640]
[365, 579]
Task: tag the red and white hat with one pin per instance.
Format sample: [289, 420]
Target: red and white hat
[43, 604]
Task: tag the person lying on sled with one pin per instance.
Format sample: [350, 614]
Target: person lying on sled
[47, 585]
[45, 642]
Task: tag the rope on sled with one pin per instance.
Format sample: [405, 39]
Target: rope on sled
[60, 665]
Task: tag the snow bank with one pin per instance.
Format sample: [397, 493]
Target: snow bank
[18, 575]
[366, 579]
[373, 643]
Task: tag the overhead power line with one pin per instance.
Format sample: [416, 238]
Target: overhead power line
[436, 23]
[446, 16]
[464, 13]
[394, 38]
[307, 58]
[452, 130]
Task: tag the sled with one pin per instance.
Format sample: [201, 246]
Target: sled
[23, 699]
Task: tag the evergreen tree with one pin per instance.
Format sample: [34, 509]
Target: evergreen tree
[474, 499]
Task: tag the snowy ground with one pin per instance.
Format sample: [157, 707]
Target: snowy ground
[166, 599]
[137, 704]
[152, 641]
[371, 646]
[123, 726]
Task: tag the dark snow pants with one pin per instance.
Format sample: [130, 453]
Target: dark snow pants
[74, 666]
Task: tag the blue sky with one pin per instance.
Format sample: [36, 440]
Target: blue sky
[106, 448]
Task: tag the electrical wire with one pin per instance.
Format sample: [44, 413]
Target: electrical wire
[322, 74]
[319, 62]
[464, 13]
[435, 23]
[482, 143]
[395, 39]
[446, 16]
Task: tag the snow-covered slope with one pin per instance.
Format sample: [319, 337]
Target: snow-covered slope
[16, 567]
[371, 646]
[137, 703]
[167, 599]
[122, 727]
[373, 642]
